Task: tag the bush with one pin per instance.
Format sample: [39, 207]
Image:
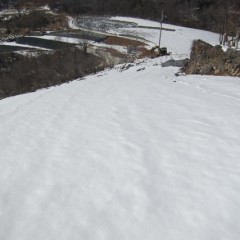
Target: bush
[33, 21]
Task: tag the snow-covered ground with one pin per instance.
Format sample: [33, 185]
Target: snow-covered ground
[177, 42]
[61, 39]
[71, 23]
[124, 154]
[14, 44]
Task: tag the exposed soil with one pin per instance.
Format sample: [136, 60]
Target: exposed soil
[112, 40]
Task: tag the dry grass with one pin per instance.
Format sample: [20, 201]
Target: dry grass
[144, 53]
[141, 51]
[115, 53]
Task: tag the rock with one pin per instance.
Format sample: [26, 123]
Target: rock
[207, 69]
[175, 63]
[140, 69]
[206, 59]
[126, 67]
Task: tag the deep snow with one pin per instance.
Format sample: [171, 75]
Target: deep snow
[123, 155]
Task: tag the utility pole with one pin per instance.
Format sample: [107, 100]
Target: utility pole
[160, 34]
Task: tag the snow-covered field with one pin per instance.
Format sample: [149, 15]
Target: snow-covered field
[134, 154]
[178, 41]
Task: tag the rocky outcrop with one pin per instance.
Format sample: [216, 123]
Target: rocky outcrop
[206, 59]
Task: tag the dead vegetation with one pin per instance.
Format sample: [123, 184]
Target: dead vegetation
[34, 21]
[21, 74]
[134, 47]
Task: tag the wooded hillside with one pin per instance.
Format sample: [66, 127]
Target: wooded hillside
[216, 15]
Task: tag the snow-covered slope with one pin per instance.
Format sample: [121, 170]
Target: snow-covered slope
[122, 155]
